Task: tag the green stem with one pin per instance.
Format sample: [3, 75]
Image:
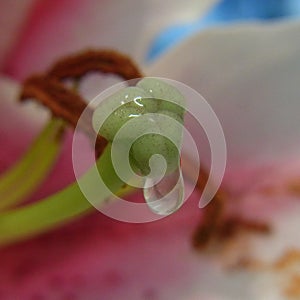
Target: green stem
[64, 206]
[21, 180]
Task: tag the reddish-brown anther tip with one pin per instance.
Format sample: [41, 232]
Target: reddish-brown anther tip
[104, 61]
[67, 104]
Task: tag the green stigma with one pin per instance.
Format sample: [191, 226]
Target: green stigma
[162, 105]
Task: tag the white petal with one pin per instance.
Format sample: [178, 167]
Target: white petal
[250, 76]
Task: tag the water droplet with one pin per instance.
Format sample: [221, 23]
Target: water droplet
[166, 196]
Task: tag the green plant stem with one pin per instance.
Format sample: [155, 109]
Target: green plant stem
[21, 180]
[64, 206]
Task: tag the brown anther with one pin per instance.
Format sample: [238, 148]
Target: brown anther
[67, 104]
[210, 224]
[104, 61]
[215, 225]
[63, 103]
[294, 188]
[234, 225]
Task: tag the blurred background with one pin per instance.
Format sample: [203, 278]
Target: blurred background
[226, 12]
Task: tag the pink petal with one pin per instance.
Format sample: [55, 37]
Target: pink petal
[13, 16]
[98, 258]
[101, 258]
[60, 27]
